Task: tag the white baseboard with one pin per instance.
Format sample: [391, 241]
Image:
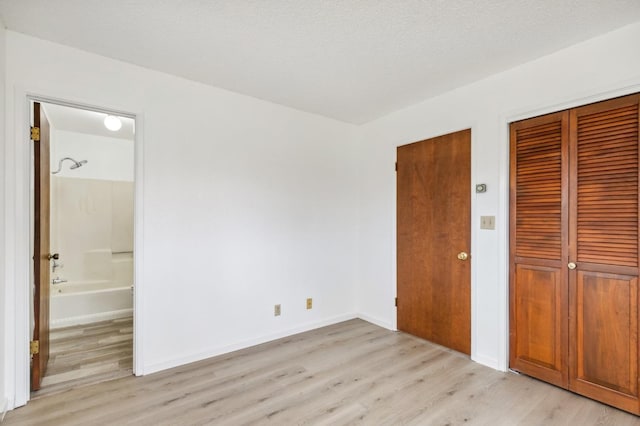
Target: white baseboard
[376, 321]
[3, 409]
[175, 362]
[487, 361]
[87, 319]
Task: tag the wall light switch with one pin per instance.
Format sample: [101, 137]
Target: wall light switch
[487, 222]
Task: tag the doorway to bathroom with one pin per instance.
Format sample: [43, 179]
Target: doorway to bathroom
[83, 247]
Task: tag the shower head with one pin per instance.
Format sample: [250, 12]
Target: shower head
[75, 164]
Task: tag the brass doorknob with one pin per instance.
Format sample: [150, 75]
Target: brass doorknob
[463, 255]
[54, 256]
[572, 265]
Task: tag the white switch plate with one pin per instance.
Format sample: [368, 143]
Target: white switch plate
[487, 222]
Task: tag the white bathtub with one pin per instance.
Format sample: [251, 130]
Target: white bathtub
[74, 303]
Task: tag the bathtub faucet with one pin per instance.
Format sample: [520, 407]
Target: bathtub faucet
[58, 280]
[56, 265]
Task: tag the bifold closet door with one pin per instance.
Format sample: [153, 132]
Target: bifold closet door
[538, 278]
[603, 254]
[574, 250]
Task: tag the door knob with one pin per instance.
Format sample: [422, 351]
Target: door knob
[54, 256]
[463, 255]
[572, 265]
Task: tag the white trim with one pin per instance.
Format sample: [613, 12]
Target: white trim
[20, 264]
[4, 409]
[186, 359]
[138, 246]
[626, 87]
[91, 318]
[489, 362]
[473, 237]
[393, 250]
[79, 105]
[376, 321]
[19, 184]
[502, 363]
[620, 88]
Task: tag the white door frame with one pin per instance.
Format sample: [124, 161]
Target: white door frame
[19, 260]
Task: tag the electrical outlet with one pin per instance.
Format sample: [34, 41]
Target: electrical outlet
[309, 303]
[276, 310]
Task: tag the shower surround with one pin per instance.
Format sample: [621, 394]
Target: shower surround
[92, 230]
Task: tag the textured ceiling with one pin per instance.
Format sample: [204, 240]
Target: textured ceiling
[354, 60]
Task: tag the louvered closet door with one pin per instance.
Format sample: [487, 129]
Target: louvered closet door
[538, 281]
[603, 287]
[574, 250]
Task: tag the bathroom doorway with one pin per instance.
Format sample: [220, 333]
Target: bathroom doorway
[83, 306]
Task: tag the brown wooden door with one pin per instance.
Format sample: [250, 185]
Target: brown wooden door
[433, 227]
[538, 238]
[41, 247]
[574, 250]
[603, 287]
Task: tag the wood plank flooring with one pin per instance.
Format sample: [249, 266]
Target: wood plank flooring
[348, 373]
[88, 354]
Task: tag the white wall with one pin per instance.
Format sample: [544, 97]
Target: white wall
[107, 158]
[602, 67]
[245, 204]
[4, 304]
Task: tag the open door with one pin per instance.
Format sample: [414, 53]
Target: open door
[41, 255]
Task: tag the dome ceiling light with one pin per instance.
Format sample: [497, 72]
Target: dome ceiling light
[112, 123]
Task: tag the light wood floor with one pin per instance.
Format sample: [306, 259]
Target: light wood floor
[88, 354]
[348, 373]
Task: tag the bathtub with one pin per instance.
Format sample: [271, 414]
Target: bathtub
[74, 303]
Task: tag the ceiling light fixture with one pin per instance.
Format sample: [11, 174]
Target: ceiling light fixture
[112, 123]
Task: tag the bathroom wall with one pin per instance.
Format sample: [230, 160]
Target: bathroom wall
[90, 219]
[91, 206]
[107, 158]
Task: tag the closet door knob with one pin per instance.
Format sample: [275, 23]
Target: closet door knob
[572, 266]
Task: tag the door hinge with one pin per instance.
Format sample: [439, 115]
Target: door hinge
[396, 301]
[34, 347]
[35, 134]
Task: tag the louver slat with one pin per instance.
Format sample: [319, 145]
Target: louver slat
[538, 194]
[607, 173]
